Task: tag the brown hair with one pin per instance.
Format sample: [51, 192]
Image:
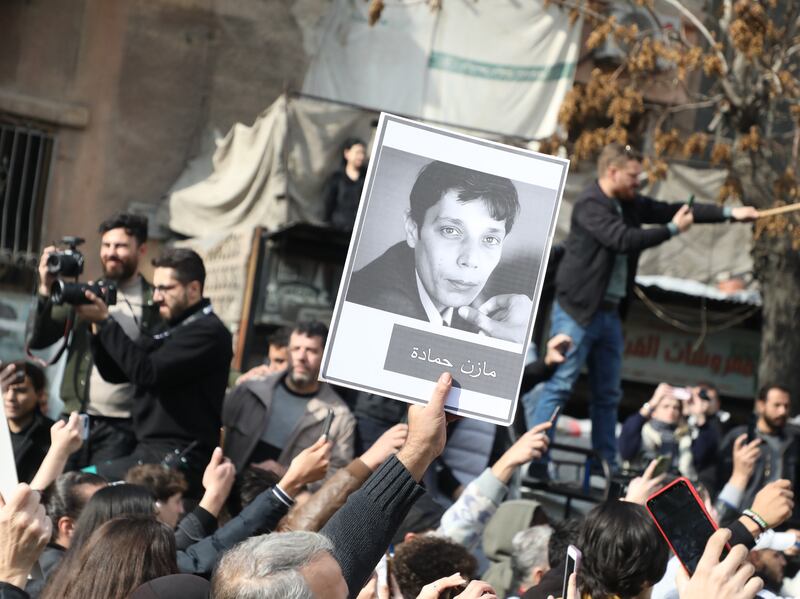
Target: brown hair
[121, 555]
[160, 481]
[614, 154]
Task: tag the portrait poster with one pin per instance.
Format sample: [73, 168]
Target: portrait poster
[445, 269]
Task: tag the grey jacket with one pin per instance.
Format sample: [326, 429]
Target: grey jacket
[246, 412]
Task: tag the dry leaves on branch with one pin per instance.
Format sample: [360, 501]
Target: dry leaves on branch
[721, 154]
[656, 169]
[751, 141]
[695, 145]
[666, 143]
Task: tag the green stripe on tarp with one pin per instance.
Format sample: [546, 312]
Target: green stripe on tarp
[502, 72]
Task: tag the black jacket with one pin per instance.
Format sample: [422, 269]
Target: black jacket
[180, 378]
[598, 233]
[30, 446]
[389, 283]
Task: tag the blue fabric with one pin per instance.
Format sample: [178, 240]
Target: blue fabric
[599, 346]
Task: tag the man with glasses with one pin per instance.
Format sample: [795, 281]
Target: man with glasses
[179, 375]
[595, 279]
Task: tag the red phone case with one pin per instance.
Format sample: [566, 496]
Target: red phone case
[699, 501]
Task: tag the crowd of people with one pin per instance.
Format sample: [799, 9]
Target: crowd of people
[168, 475]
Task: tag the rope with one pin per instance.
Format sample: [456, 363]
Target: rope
[704, 329]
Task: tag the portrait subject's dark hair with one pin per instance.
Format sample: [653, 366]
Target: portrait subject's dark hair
[133, 224]
[312, 328]
[187, 264]
[436, 178]
[121, 555]
[623, 552]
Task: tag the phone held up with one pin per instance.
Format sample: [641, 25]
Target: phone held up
[682, 519]
[572, 564]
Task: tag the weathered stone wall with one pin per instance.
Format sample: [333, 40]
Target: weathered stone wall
[129, 87]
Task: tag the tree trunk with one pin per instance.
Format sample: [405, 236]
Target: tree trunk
[777, 267]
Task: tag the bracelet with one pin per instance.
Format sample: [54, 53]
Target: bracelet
[762, 524]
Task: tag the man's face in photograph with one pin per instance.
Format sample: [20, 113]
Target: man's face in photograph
[456, 248]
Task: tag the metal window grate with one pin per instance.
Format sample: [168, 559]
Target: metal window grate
[26, 152]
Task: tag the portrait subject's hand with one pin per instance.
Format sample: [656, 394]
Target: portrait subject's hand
[557, 348]
[503, 317]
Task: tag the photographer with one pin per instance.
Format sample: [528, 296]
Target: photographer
[658, 429]
[179, 375]
[122, 245]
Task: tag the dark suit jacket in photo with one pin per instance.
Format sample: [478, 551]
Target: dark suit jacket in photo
[389, 283]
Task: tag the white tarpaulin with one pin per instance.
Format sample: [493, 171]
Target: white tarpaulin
[500, 66]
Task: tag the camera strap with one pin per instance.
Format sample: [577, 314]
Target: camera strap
[193, 318]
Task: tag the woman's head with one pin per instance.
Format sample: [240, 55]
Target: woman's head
[354, 152]
[623, 552]
[113, 501]
[119, 556]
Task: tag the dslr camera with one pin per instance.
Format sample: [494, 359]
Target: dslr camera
[68, 262]
[75, 293]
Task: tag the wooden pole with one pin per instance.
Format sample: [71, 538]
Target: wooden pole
[778, 210]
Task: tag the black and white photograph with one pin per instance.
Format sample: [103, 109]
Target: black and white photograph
[446, 262]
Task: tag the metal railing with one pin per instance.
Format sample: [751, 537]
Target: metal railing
[26, 152]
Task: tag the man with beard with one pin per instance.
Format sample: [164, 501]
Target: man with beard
[770, 566]
[108, 405]
[595, 280]
[269, 421]
[179, 375]
[780, 443]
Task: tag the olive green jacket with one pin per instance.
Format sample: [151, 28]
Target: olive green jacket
[49, 324]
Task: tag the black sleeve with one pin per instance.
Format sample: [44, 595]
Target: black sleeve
[657, 212]
[610, 230]
[535, 373]
[48, 323]
[196, 525]
[263, 513]
[362, 529]
[105, 364]
[194, 345]
[9, 591]
[740, 535]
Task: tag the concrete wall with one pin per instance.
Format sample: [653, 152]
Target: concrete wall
[129, 87]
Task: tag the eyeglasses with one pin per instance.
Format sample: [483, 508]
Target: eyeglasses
[164, 288]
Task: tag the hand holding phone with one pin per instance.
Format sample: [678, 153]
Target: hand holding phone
[571, 566]
[326, 426]
[682, 519]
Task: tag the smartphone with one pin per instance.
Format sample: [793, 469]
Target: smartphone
[681, 393]
[83, 419]
[662, 465]
[326, 426]
[690, 203]
[752, 423]
[554, 415]
[683, 521]
[573, 564]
